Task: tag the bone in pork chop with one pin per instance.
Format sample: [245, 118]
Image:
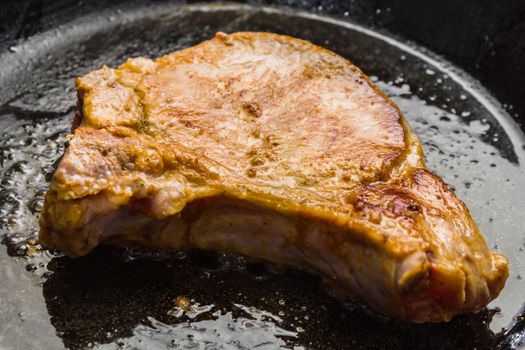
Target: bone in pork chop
[273, 148]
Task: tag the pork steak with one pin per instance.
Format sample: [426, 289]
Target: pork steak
[270, 147]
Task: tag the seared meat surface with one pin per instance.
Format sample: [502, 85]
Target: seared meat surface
[276, 149]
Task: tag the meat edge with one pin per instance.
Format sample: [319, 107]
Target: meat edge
[394, 285]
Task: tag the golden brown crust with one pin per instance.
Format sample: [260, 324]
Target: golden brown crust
[284, 125]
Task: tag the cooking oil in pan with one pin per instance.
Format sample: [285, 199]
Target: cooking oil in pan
[124, 298]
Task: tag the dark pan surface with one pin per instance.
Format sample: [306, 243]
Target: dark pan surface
[123, 298]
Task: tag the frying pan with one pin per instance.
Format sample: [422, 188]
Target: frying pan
[125, 298]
